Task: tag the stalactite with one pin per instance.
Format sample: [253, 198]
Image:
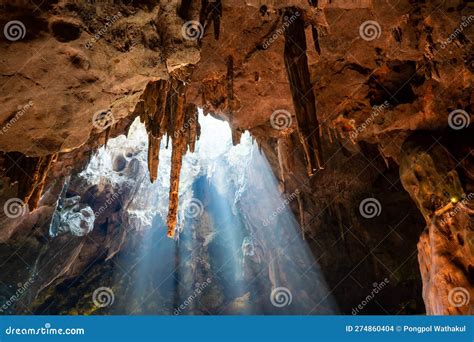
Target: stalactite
[38, 179]
[107, 133]
[384, 157]
[153, 156]
[230, 78]
[211, 12]
[178, 145]
[216, 18]
[337, 207]
[152, 111]
[163, 110]
[236, 135]
[299, 197]
[304, 101]
[314, 31]
[192, 127]
[184, 9]
[285, 157]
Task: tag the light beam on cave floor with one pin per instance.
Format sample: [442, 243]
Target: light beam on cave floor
[239, 249]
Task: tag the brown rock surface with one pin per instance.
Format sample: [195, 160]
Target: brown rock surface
[79, 73]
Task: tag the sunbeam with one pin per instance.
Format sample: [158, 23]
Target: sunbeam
[238, 247]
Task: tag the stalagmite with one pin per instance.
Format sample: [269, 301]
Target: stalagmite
[304, 101]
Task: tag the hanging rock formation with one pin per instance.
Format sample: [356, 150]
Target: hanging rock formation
[446, 246]
[296, 63]
[80, 72]
[163, 110]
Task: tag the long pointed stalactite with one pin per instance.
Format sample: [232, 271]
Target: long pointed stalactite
[211, 12]
[304, 101]
[43, 165]
[31, 174]
[163, 110]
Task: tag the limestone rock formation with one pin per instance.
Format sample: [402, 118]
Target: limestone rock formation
[336, 94]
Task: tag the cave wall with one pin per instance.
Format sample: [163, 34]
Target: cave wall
[331, 121]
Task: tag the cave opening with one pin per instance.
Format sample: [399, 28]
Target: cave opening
[238, 248]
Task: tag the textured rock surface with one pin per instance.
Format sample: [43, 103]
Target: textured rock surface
[82, 72]
[445, 251]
